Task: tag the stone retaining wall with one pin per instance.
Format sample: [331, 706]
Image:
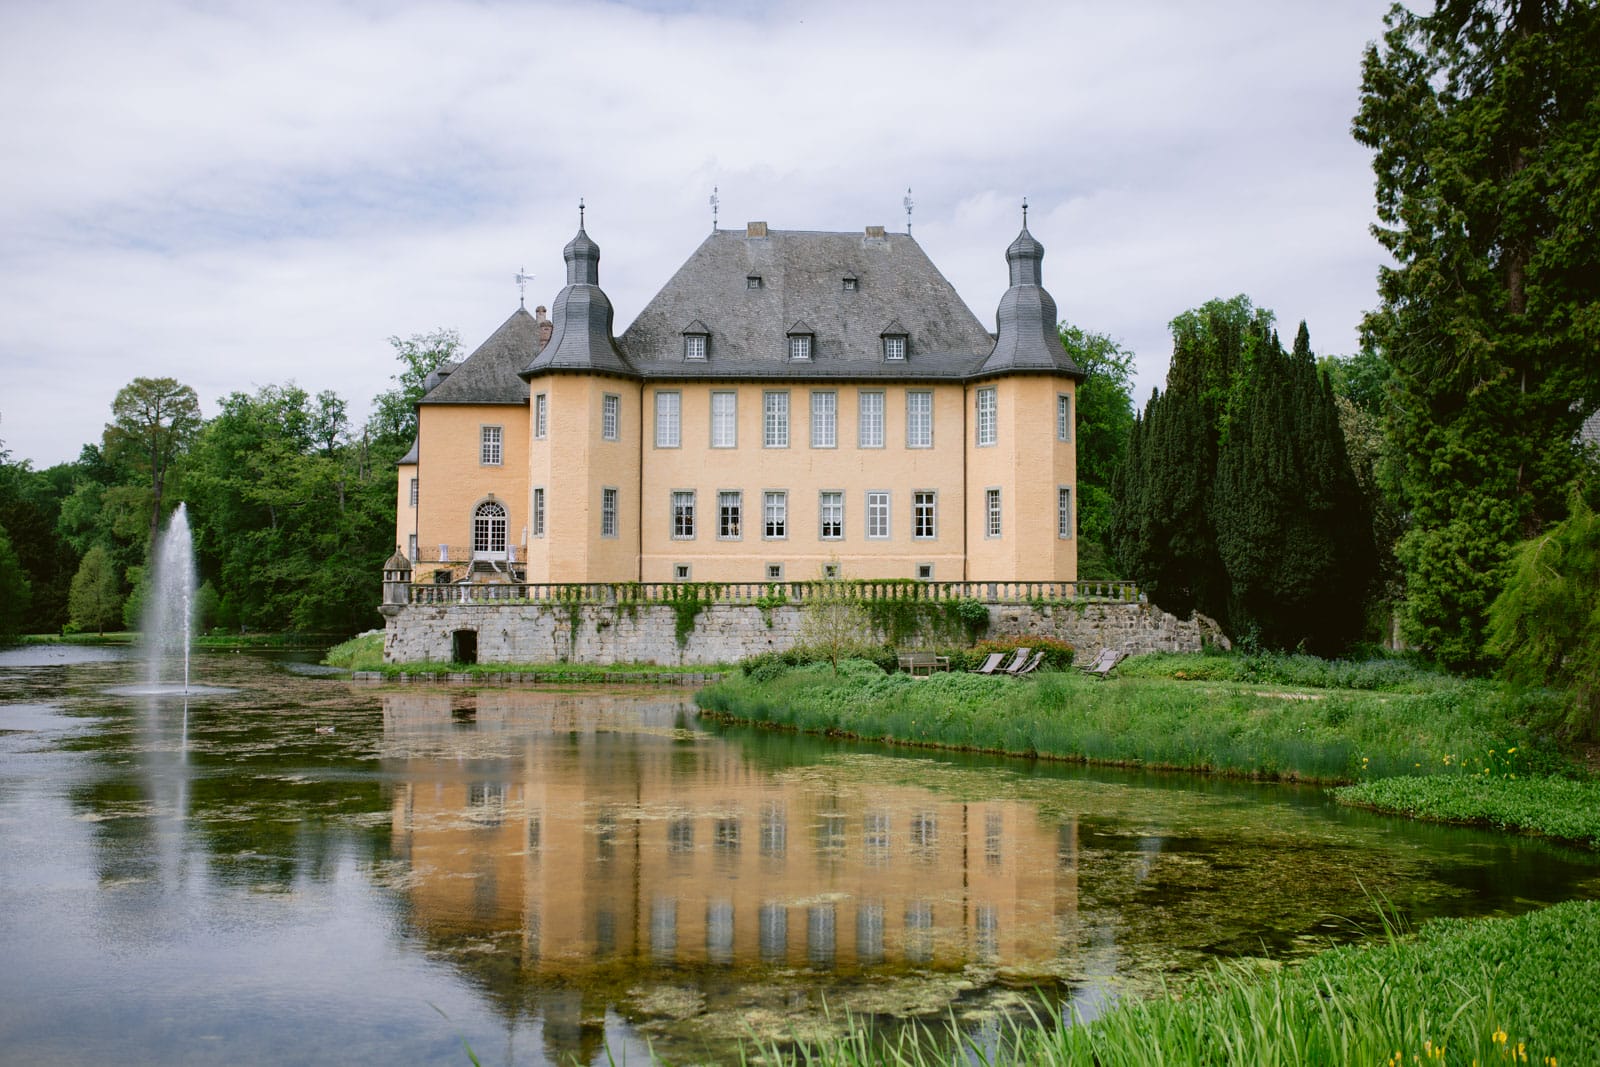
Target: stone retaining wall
[726, 633]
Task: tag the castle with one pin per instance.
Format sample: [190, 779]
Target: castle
[791, 405]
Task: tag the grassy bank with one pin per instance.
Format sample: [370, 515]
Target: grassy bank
[1554, 807]
[1383, 721]
[1493, 991]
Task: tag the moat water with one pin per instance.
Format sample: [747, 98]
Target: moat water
[293, 868]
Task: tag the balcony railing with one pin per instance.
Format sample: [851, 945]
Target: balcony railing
[769, 594]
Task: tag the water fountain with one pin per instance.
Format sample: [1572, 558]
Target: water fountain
[169, 601]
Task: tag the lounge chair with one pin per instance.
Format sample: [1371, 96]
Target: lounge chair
[1031, 666]
[1017, 660]
[989, 664]
[1105, 662]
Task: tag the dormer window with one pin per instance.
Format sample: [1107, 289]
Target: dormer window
[894, 346]
[753, 281]
[696, 342]
[800, 343]
[850, 283]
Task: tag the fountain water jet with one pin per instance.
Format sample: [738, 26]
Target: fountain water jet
[169, 603]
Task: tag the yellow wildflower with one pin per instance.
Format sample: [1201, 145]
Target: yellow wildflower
[1499, 1037]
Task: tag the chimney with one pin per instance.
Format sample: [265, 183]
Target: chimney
[875, 232]
[755, 229]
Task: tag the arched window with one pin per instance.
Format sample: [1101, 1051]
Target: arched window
[489, 531]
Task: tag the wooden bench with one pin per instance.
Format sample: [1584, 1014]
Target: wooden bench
[922, 664]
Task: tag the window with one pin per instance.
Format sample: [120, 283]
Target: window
[919, 419]
[724, 420]
[894, 346]
[608, 513]
[683, 515]
[680, 572]
[774, 572]
[850, 284]
[489, 530]
[413, 492]
[489, 446]
[924, 572]
[924, 514]
[830, 524]
[775, 515]
[824, 420]
[991, 511]
[694, 347]
[877, 515]
[986, 416]
[669, 420]
[1063, 417]
[870, 429]
[830, 571]
[541, 414]
[538, 511]
[775, 420]
[800, 347]
[610, 405]
[1063, 512]
[753, 281]
[411, 548]
[729, 506]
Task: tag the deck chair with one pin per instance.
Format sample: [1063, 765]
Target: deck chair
[988, 665]
[1017, 660]
[1031, 666]
[1105, 662]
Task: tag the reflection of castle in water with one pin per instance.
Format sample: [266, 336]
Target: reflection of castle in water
[600, 837]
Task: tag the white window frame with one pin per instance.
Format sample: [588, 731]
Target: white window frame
[694, 347]
[730, 498]
[830, 513]
[490, 521]
[413, 492]
[611, 417]
[608, 512]
[491, 446]
[1063, 417]
[411, 548]
[669, 418]
[681, 507]
[541, 415]
[800, 348]
[1064, 512]
[775, 418]
[824, 418]
[986, 424]
[537, 525]
[878, 514]
[870, 433]
[924, 499]
[727, 434]
[919, 420]
[894, 347]
[991, 512]
[775, 515]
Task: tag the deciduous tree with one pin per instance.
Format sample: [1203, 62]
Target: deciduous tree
[153, 421]
[96, 597]
[1103, 421]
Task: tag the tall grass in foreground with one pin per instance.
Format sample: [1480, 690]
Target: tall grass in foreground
[1324, 735]
[1495, 991]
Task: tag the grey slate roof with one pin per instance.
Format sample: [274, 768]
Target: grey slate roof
[489, 375]
[802, 272]
[1027, 338]
[581, 315]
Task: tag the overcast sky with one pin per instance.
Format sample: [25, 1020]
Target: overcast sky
[239, 195]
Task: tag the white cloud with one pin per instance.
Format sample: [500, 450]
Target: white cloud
[238, 195]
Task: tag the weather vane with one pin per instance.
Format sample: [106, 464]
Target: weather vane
[908, 204]
[714, 204]
[522, 279]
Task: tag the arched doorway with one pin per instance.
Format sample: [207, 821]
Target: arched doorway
[489, 531]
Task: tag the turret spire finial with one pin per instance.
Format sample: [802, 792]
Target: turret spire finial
[580, 212]
[909, 205]
[715, 202]
[1024, 213]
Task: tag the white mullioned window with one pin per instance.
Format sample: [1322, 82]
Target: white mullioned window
[894, 347]
[538, 511]
[683, 514]
[608, 512]
[669, 420]
[830, 517]
[724, 420]
[413, 492]
[541, 414]
[924, 514]
[610, 412]
[775, 419]
[919, 419]
[877, 514]
[694, 347]
[1063, 512]
[991, 512]
[1063, 417]
[775, 515]
[730, 506]
[489, 529]
[987, 416]
[870, 420]
[800, 347]
[824, 419]
[489, 442]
